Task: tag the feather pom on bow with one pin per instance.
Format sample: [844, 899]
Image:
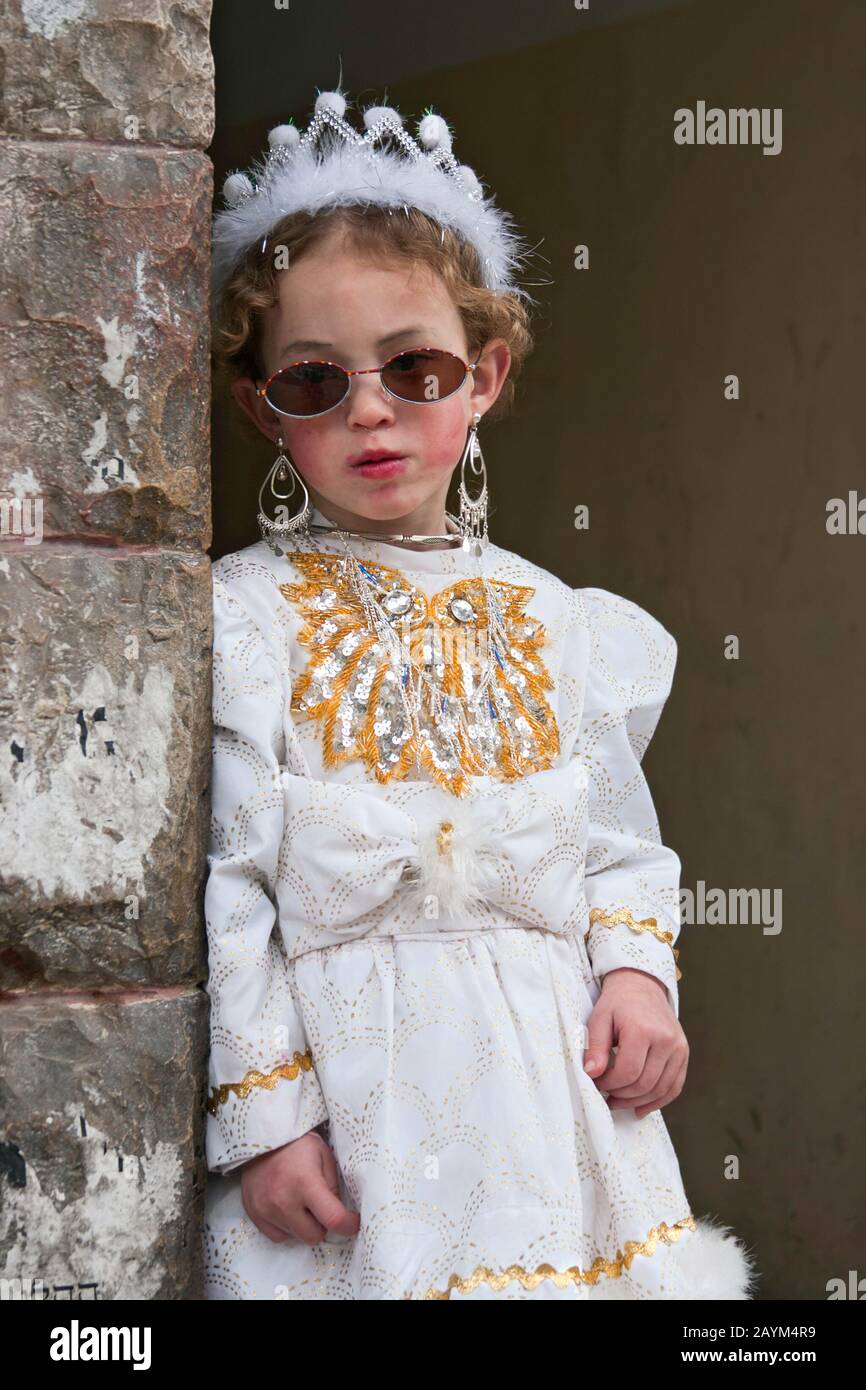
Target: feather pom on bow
[451, 870]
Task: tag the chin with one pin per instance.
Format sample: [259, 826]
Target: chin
[385, 504]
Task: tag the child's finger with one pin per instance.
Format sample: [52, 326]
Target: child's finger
[599, 1041]
[651, 1094]
[657, 1070]
[332, 1178]
[629, 1064]
[305, 1226]
[297, 1224]
[327, 1207]
[272, 1232]
[669, 1095]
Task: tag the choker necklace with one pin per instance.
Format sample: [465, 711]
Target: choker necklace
[392, 538]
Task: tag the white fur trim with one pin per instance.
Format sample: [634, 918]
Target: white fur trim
[331, 101]
[433, 132]
[469, 176]
[235, 187]
[374, 114]
[714, 1262]
[287, 135]
[347, 177]
[337, 167]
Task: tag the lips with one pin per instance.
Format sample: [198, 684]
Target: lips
[385, 467]
[374, 456]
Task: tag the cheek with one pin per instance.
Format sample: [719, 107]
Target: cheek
[437, 433]
[313, 445]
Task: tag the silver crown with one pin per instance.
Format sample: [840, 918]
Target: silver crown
[331, 164]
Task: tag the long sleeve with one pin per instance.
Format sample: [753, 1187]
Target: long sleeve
[632, 880]
[263, 1089]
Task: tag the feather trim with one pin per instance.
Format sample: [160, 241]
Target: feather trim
[451, 872]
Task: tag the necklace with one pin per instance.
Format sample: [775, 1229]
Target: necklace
[383, 687]
[391, 537]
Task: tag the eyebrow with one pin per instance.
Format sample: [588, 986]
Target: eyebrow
[311, 344]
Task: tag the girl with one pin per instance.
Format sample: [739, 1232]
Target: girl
[441, 923]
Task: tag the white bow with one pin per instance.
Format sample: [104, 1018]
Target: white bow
[518, 846]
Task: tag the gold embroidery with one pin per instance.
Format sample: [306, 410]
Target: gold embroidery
[612, 1269]
[302, 1061]
[350, 687]
[622, 915]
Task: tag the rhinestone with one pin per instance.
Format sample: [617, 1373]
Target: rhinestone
[397, 602]
[462, 610]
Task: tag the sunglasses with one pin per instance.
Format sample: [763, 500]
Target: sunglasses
[418, 375]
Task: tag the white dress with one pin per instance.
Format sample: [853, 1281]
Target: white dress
[410, 955]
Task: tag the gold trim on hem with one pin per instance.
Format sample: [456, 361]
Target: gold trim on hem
[530, 1279]
[302, 1061]
[622, 916]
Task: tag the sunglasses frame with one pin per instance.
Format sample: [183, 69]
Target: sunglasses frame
[363, 371]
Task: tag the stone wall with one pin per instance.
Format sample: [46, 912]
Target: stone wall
[105, 204]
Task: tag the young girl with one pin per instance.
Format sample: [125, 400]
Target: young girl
[441, 923]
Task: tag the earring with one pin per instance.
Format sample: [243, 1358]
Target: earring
[472, 518]
[281, 470]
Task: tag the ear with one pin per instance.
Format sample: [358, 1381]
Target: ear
[255, 406]
[490, 375]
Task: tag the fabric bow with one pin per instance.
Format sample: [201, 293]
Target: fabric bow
[349, 849]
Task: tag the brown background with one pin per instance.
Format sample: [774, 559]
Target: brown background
[704, 261]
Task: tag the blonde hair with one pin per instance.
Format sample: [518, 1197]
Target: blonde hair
[409, 237]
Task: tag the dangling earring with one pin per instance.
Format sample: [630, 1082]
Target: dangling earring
[281, 470]
[472, 518]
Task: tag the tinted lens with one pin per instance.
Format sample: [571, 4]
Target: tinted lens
[424, 375]
[307, 388]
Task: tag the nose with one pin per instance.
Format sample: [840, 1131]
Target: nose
[369, 404]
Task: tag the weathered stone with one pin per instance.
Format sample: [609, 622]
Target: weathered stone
[104, 765]
[101, 1163]
[104, 335]
[90, 71]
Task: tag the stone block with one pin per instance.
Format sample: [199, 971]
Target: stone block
[104, 765]
[102, 1169]
[76, 71]
[105, 340]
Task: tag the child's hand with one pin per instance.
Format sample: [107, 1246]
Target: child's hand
[294, 1191]
[652, 1056]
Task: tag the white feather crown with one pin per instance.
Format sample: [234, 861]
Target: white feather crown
[331, 165]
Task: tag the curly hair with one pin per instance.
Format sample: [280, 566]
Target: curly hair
[409, 237]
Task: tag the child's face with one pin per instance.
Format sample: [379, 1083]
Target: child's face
[352, 306]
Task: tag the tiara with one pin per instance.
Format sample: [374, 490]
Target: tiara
[331, 165]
